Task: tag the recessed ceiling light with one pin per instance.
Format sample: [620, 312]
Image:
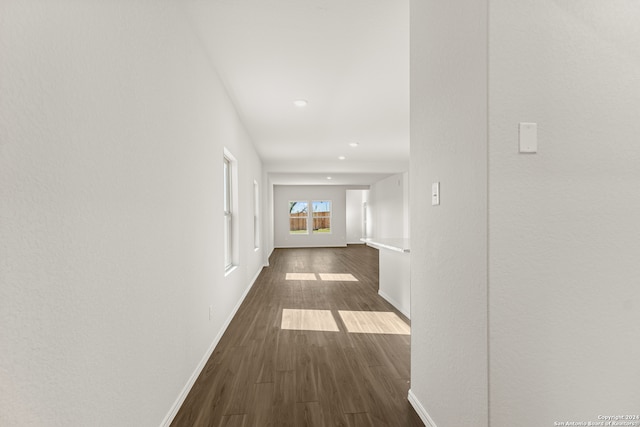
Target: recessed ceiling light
[300, 103]
[341, 157]
[353, 144]
[328, 177]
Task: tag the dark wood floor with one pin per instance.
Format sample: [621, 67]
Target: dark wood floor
[260, 375]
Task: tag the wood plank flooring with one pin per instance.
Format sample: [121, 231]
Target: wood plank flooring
[262, 375]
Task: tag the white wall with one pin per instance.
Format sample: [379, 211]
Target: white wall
[283, 194]
[564, 223]
[389, 207]
[269, 224]
[406, 222]
[561, 225]
[355, 216]
[112, 125]
[449, 242]
[368, 214]
[395, 279]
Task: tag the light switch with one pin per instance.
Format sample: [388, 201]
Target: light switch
[435, 193]
[528, 137]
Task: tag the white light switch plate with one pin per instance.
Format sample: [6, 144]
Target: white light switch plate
[528, 137]
[435, 193]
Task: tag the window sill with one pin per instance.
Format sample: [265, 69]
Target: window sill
[230, 270]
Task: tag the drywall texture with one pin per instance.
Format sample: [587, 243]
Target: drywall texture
[112, 125]
[449, 242]
[395, 279]
[283, 194]
[389, 207]
[355, 215]
[268, 229]
[564, 228]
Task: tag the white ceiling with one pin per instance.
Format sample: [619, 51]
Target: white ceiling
[348, 58]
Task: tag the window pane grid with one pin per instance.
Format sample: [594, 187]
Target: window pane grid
[227, 186]
[256, 217]
[321, 216]
[228, 259]
[228, 216]
[298, 217]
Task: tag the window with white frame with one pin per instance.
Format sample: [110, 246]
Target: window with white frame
[256, 215]
[298, 217]
[228, 215]
[321, 216]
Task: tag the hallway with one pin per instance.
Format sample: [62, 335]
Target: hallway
[262, 375]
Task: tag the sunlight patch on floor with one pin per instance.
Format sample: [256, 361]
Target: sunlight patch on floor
[301, 276]
[308, 320]
[374, 322]
[337, 277]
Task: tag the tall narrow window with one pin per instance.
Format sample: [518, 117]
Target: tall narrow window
[298, 216]
[256, 215]
[321, 216]
[228, 216]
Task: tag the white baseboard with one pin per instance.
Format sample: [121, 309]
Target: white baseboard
[394, 303]
[187, 388]
[422, 413]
